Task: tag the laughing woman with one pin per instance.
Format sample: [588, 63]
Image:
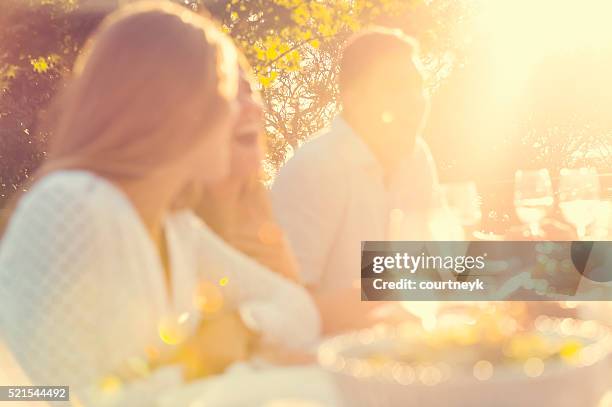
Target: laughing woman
[238, 208]
[98, 265]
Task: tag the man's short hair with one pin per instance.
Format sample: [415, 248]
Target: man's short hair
[373, 44]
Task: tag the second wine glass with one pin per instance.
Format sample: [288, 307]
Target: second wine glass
[579, 197]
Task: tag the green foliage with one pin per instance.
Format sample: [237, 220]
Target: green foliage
[39, 41]
[293, 46]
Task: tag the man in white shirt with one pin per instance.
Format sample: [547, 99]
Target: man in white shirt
[368, 170]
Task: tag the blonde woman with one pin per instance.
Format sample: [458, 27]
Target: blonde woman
[98, 266]
[238, 207]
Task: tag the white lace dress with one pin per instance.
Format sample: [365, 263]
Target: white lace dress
[82, 287]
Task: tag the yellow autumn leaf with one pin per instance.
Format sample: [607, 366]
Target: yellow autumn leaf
[326, 30]
[40, 65]
[305, 35]
[320, 12]
[267, 79]
[301, 14]
[264, 80]
[271, 53]
[261, 54]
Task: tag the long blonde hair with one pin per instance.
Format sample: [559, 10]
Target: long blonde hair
[151, 81]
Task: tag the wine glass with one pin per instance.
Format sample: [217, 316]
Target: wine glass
[533, 197]
[579, 197]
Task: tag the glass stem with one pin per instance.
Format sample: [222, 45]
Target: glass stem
[581, 232]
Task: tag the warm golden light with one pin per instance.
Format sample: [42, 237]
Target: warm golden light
[570, 352]
[173, 330]
[208, 298]
[533, 367]
[483, 370]
[524, 31]
[387, 117]
[152, 353]
[110, 384]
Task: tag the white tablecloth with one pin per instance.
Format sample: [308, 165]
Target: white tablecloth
[245, 386]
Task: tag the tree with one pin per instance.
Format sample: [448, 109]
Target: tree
[567, 121]
[293, 46]
[39, 41]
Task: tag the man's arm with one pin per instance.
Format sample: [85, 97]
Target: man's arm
[343, 310]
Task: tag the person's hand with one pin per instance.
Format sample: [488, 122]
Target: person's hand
[280, 355]
[218, 343]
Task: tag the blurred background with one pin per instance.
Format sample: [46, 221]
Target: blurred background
[514, 85]
[521, 99]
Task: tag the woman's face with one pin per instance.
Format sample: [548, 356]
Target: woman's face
[246, 147]
[215, 149]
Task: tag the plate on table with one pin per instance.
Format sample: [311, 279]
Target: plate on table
[474, 359]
